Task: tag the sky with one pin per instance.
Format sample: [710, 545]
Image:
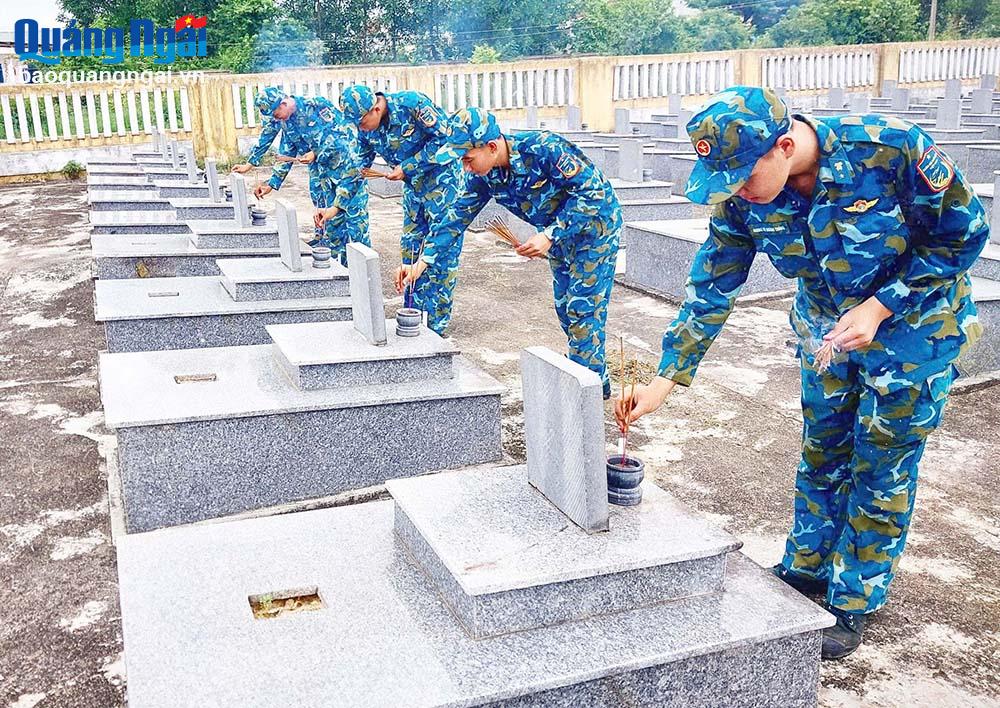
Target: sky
[44, 11]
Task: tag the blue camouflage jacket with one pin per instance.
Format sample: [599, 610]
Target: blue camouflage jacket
[414, 130]
[890, 217]
[550, 181]
[318, 126]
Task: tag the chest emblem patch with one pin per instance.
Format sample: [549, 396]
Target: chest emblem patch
[326, 114]
[568, 165]
[935, 169]
[861, 206]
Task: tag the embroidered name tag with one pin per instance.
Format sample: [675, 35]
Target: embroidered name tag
[759, 229]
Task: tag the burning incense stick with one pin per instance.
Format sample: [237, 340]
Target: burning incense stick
[369, 173]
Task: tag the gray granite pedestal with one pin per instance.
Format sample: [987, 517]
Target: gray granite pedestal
[385, 639]
[152, 314]
[163, 256]
[660, 254]
[203, 433]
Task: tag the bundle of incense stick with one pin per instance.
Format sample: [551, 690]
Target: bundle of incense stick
[499, 227]
[824, 356]
[369, 173]
[286, 158]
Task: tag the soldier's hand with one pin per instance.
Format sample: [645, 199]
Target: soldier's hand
[262, 190]
[242, 169]
[411, 274]
[307, 158]
[324, 215]
[395, 174]
[857, 328]
[535, 247]
[643, 399]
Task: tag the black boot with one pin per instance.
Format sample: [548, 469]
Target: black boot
[801, 583]
[844, 637]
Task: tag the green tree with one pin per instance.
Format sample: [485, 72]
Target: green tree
[761, 14]
[484, 54]
[627, 27]
[715, 30]
[847, 22]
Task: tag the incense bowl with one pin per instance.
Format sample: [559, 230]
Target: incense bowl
[321, 257]
[624, 480]
[408, 321]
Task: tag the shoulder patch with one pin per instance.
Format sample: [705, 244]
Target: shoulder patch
[568, 165]
[326, 114]
[935, 169]
[427, 116]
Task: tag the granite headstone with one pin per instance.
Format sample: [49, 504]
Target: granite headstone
[367, 304]
[564, 436]
[241, 204]
[623, 121]
[288, 236]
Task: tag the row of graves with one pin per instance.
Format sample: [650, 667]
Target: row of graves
[246, 373]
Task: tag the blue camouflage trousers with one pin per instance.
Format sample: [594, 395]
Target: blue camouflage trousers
[583, 274]
[429, 215]
[350, 225]
[857, 479]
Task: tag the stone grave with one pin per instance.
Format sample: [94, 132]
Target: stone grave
[860, 103]
[156, 314]
[234, 231]
[623, 119]
[981, 101]
[384, 188]
[204, 433]
[630, 161]
[479, 579]
[660, 254]
[984, 356]
[836, 97]
[574, 118]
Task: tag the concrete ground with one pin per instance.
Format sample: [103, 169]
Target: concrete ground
[727, 446]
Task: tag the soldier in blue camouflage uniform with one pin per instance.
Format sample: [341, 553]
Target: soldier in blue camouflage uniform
[547, 181]
[880, 230]
[406, 129]
[314, 130]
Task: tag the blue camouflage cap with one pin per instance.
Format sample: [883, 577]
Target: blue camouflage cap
[269, 99]
[355, 101]
[736, 128]
[467, 128]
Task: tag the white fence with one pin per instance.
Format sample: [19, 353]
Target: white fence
[655, 79]
[501, 88]
[819, 69]
[937, 63]
[37, 116]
